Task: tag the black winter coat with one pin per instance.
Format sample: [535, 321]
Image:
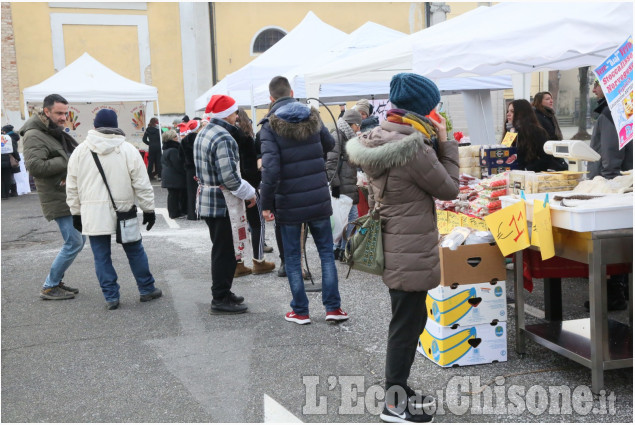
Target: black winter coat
[294, 182]
[152, 138]
[187, 146]
[173, 170]
[248, 156]
[550, 124]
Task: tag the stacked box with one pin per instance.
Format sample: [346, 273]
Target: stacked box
[498, 159]
[470, 161]
[467, 313]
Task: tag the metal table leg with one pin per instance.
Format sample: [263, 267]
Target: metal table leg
[553, 299]
[520, 302]
[599, 317]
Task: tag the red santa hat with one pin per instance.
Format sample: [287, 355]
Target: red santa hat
[183, 129]
[193, 125]
[221, 106]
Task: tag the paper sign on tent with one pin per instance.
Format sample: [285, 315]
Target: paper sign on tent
[542, 232]
[509, 227]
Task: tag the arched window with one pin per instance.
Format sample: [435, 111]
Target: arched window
[266, 38]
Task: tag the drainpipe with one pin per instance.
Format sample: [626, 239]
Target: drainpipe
[212, 31]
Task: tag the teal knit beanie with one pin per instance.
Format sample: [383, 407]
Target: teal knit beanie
[414, 92]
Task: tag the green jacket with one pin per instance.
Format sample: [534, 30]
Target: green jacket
[46, 160]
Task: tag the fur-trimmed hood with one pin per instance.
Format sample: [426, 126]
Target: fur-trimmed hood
[283, 126]
[390, 145]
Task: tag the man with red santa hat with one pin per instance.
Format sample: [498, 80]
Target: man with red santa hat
[221, 200]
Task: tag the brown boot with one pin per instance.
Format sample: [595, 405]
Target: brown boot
[241, 270]
[262, 266]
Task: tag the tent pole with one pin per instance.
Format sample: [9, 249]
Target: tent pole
[253, 110]
[158, 112]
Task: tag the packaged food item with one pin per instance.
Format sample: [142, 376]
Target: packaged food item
[455, 238]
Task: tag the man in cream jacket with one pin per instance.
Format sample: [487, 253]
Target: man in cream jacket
[91, 207]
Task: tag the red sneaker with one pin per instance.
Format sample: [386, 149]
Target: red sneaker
[297, 318]
[338, 315]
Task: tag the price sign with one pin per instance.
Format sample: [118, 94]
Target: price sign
[509, 227]
[442, 222]
[454, 220]
[541, 230]
[509, 138]
[479, 224]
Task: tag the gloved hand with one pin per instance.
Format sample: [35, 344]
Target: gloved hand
[149, 217]
[335, 191]
[77, 223]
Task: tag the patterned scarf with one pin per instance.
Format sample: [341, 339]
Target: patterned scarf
[419, 122]
[345, 128]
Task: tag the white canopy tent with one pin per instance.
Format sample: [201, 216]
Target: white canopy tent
[526, 37]
[382, 62]
[87, 82]
[278, 60]
[307, 40]
[367, 36]
[502, 39]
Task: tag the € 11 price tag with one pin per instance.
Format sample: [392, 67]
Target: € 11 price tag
[509, 227]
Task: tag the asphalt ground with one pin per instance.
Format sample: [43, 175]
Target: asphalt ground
[169, 360]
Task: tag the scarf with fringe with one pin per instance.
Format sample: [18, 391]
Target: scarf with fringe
[418, 122]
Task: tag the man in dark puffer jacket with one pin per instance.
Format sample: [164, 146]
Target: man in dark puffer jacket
[294, 144]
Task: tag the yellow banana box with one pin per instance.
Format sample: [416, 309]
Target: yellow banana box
[471, 304]
[464, 345]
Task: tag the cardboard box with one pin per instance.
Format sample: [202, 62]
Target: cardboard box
[499, 156]
[471, 264]
[463, 346]
[493, 170]
[471, 304]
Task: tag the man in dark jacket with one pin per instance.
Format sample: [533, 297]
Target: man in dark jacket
[47, 148]
[294, 145]
[152, 138]
[605, 141]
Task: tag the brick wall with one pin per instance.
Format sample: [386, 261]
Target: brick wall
[10, 89]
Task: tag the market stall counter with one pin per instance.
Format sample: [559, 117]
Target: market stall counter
[597, 342]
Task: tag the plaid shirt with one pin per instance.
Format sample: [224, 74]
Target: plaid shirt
[217, 161]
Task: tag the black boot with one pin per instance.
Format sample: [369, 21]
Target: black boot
[227, 305]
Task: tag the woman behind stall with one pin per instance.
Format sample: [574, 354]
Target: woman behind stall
[543, 107]
[173, 174]
[531, 139]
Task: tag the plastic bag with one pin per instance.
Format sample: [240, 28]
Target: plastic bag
[341, 208]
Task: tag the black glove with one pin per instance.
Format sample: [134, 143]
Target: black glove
[335, 191]
[77, 223]
[149, 217]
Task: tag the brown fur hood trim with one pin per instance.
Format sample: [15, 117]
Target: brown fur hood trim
[296, 131]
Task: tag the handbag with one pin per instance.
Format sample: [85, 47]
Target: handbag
[15, 165]
[128, 230]
[364, 249]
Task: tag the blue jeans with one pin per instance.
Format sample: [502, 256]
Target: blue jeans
[352, 215]
[73, 244]
[106, 273]
[323, 238]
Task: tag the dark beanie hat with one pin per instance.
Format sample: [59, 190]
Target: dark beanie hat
[106, 118]
[7, 129]
[414, 93]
